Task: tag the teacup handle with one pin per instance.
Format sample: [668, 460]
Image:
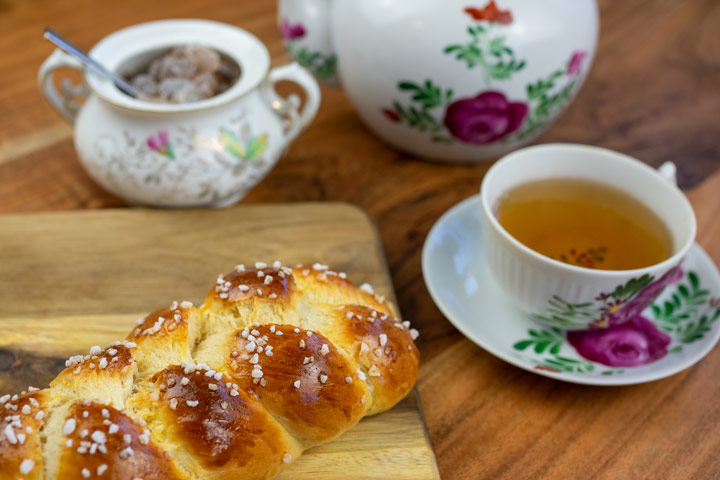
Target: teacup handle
[668, 171]
[66, 102]
[294, 121]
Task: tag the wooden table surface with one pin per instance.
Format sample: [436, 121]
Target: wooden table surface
[654, 93]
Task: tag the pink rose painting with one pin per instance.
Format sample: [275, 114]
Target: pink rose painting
[636, 342]
[632, 328]
[630, 339]
[291, 31]
[490, 116]
[484, 119]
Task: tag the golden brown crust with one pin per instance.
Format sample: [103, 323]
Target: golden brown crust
[101, 441]
[21, 418]
[302, 354]
[166, 336]
[228, 432]
[261, 282]
[113, 360]
[251, 295]
[165, 322]
[383, 346]
[106, 375]
[301, 377]
[324, 286]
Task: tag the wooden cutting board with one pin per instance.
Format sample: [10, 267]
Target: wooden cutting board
[72, 280]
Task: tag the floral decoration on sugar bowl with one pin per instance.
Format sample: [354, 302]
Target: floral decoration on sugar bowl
[182, 162]
[160, 142]
[490, 115]
[633, 328]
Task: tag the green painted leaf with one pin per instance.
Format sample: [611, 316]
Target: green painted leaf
[540, 347]
[231, 143]
[522, 345]
[407, 86]
[256, 146]
[632, 287]
[555, 349]
[568, 360]
[694, 280]
[327, 68]
[559, 365]
[676, 300]
[491, 54]
[169, 151]
[693, 331]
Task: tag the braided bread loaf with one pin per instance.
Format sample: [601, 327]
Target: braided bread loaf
[276, 360]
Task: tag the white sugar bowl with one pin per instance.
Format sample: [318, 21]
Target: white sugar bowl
[204, 153]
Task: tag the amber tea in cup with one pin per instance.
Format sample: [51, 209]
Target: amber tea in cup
[608, 220]
[585, 223]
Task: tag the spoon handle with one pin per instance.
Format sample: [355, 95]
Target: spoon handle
[71, 49]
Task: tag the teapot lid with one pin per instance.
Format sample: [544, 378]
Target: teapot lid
[119, 48]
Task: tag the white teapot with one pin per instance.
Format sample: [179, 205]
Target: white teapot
[451, 80]
[204, 153]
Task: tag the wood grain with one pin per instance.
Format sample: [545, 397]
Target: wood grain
[653, 92]
[77, 279]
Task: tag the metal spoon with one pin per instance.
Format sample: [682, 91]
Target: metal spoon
[71, 49]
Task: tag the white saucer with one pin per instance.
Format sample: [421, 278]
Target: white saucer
[461, 285]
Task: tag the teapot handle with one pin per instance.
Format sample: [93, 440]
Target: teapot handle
[294, 121]
[66, 103]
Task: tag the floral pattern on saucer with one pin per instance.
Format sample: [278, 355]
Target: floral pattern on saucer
[686, 316]
[676, 331]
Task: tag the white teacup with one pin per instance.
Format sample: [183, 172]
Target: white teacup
[567, 296]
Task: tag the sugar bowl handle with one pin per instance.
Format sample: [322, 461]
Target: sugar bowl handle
[287, 108]
[66, 102]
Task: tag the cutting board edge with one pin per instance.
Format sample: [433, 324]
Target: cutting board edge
[426, 432]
